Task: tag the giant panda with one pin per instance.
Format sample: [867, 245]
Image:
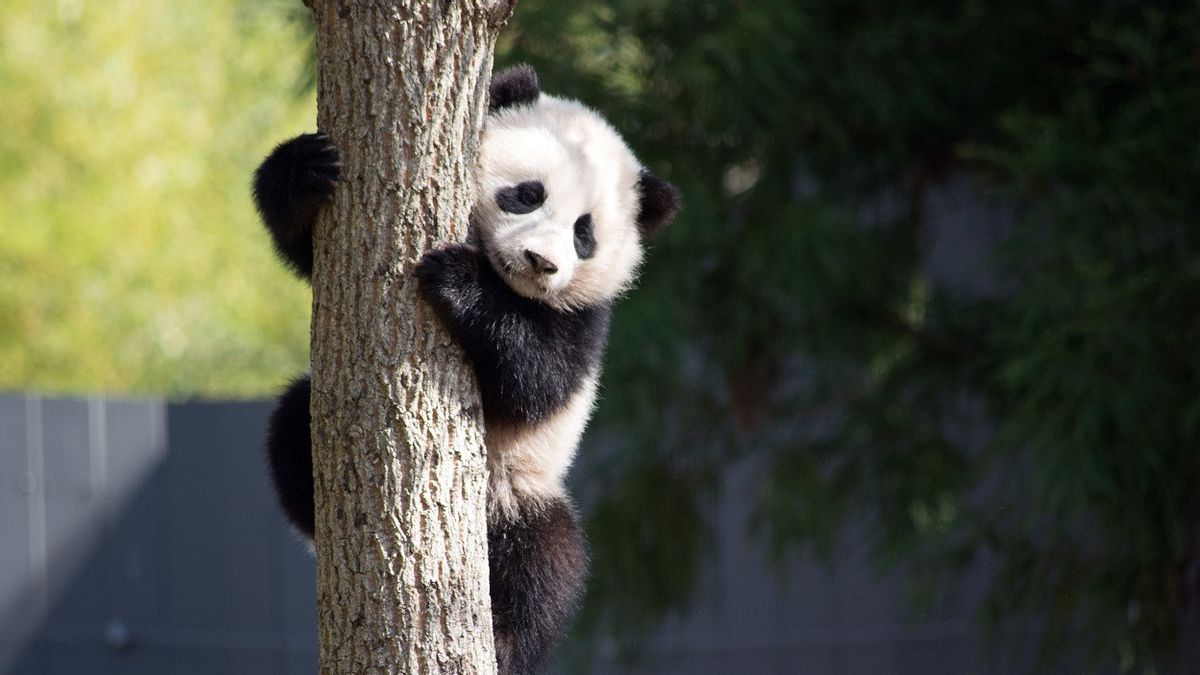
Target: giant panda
[563, 207]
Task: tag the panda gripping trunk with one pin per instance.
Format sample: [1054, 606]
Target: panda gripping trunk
[398, 464]
[560, 213]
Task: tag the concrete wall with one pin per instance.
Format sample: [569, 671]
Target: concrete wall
[142, 537]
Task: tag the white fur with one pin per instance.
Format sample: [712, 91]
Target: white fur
[527, 463]
[585, 167]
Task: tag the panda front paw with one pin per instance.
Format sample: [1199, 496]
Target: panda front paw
[290, 187]
[298, 173]
[318, 166]
[449, 277]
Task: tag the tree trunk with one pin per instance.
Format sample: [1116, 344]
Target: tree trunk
[398, 453]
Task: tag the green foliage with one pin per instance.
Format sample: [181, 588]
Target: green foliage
[128, 244]
[1045, 411]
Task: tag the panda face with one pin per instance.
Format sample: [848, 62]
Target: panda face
[558, 203]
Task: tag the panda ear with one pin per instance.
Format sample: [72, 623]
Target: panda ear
[659, 203]
[513, 87]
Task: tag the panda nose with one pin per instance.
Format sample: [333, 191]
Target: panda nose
[540, 264]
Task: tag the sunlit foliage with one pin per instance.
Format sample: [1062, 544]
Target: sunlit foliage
[129, 252]
[1040, 409]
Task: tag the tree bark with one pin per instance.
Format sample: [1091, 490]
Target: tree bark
[398, 452]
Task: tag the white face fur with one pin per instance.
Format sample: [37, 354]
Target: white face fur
[584, 169]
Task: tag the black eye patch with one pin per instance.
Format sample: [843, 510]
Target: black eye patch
[585, 239]
[521, 198]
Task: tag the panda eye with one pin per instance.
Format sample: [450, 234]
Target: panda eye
[521, 198]
[585, 238]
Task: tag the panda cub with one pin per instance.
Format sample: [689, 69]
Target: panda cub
[556, 237]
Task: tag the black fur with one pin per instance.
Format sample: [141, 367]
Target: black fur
[512, 87]
[529, 360]
[290, 186]
[528, 357]
[521, 198]
[585, 237]
[660, 202]
[537, 561]
[289, 451]
[538, 567]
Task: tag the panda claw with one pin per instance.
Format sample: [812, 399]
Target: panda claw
[321, 162]
[439, 262]
[322, 178]
[445, 273]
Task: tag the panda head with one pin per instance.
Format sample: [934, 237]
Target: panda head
[563, 205]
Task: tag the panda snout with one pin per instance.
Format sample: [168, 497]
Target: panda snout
[539, 264]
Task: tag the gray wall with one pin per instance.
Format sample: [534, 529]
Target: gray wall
[142, 537]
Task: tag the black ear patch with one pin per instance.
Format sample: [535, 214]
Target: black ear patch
[659, 203]
[512, 87]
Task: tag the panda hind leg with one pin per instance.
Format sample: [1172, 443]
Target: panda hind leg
[538, 561]
[538, 567]
[289, 453]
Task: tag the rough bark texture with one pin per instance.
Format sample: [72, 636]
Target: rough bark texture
[402, 572]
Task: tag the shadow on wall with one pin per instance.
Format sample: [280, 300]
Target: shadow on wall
[141, 537]
[119, 556]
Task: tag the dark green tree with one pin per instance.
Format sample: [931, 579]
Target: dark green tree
[1043, 408]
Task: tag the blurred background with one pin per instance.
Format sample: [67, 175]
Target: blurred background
[912, 384]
